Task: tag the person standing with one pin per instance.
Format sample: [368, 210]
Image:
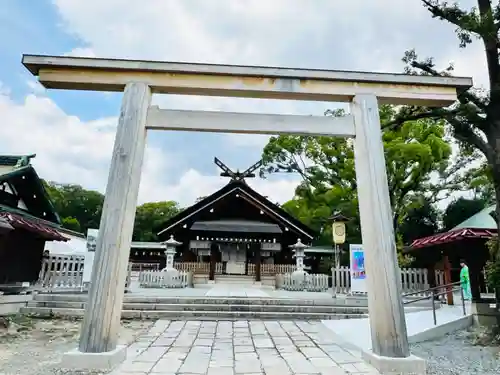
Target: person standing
[465, 281]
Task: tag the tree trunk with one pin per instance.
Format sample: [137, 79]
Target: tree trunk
[496, 255]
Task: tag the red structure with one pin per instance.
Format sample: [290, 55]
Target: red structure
[466, 241]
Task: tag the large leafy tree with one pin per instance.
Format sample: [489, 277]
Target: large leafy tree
[415, 153]
[81, 209]
[460, 210]
[421, 220]
[150, 217]
[78, 208]
[475, 118]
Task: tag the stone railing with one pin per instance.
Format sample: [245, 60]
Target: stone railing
[65, 273]
[197, 267]
[163, 279]
[271, 269]
[302, 282]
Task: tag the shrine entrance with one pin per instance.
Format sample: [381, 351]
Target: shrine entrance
[234, 257]
[139, 79]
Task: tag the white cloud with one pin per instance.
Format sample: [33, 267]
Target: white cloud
[73, 151]
[277, 190]
[35, 87]
[81, 52]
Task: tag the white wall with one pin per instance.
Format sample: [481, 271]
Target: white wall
[75, 246]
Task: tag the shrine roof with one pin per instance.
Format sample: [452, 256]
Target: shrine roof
[451, 236]
[25, 186]
[240, 188]
[482, 220]
[245, 226]
[19, 219]
[480, 225]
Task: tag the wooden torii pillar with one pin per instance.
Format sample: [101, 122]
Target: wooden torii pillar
[138, 79]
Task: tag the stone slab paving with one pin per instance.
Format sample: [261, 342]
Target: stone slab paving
[227, 290]
[358, 332]
[241, 348]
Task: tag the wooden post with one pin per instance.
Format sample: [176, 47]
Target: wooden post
[447, 279]
[257, 262]
[476, 277]
[387, 321]
[211, 273]
[103, 311]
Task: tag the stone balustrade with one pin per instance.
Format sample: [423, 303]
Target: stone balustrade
[304, 282]
[165, 279]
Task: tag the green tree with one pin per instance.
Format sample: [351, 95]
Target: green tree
[414, 153]
[149, 218]
[479, 181]
[460, 210]
[81, 209]
[475, 118]
[421, 220]
[71, 223]
[74, 203]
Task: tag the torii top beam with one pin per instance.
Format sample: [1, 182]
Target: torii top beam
[97, 74]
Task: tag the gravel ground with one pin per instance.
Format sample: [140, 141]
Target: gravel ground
[35, 347]
[455, 354]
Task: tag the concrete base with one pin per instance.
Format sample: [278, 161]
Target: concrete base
[485, 314]
[77, 360]
[441, 330]
[411, 365]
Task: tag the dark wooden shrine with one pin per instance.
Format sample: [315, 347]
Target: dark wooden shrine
[27, 220]
[236, 226]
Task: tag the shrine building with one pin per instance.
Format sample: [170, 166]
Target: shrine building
[236, 231]
[28, 221]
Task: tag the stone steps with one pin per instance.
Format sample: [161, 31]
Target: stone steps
[207, 308]
[239, 280]
[195, 315]
[197, 300]
[213, 307]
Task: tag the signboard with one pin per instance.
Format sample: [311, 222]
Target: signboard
[88, 262]
[270, 246]
[196, 245]
[358, 274]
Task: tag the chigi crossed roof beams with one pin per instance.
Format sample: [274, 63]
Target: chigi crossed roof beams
[238, 188]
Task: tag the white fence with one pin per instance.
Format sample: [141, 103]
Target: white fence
[197, 267]
[65, 273]
[204, 268]
[162, 279]
[309, 283]
[271, 269]
[412, 279]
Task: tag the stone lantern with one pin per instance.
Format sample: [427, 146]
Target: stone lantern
[299, 275]
[170, 250]
[298, 249]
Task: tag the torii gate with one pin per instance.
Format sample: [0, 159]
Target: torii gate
[139, 79]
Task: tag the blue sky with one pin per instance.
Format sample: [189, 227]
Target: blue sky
[72, 132]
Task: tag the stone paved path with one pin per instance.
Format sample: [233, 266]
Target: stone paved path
[241, 347]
